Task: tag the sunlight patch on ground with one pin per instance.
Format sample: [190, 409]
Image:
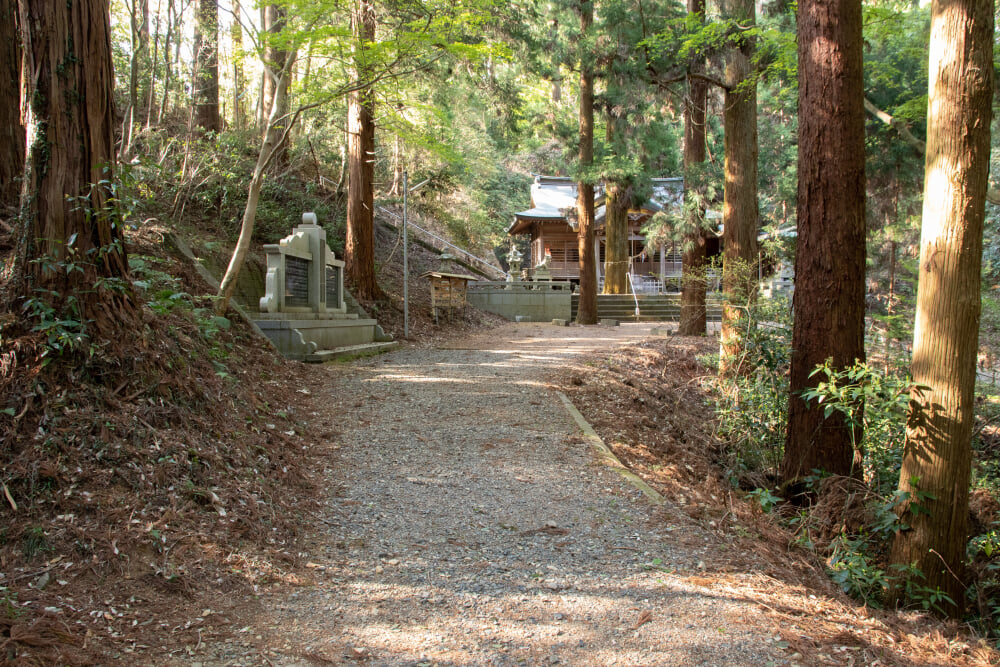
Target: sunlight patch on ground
[530, 627]
[514, 621]
[532, 383]
[420, 379]
[537, 357]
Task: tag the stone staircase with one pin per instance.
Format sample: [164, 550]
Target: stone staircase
[652, 307]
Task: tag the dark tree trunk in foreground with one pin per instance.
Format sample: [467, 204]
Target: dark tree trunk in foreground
[359, 252]
[694, 320]
[830, 259]
[587, 311]
[71, 151]
[206, 80]
[937, 456]
[11, 130]
[739, 212]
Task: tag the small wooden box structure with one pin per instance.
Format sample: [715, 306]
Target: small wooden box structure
[447, 291]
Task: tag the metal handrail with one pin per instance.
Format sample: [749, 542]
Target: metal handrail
[409, 223]
[634, 297]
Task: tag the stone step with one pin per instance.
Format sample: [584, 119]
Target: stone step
[351, 352]
[652, 307]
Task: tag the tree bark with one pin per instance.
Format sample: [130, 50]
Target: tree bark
[239, 74]
[359, 251]
[992, 194]
[694, 317]
[937, 455]
[397, 167]
[173, 20]
[587, 310]
[11, 129]
[151, 79]
[616, 257]
[145, 94]
[206, 79]
[67, 215]
[275, 60]
[830, 258]
[133, 76]
[618, 193]
[739, 212]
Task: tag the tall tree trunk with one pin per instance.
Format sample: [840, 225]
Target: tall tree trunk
[937, 456]
[694, 317]
[133, 78]
[144, 61]
[830, 258]
[889, 307]
[206, 79]
[739, 211]
[272, 19]
[173, 28]
[342, 174]
[618, 193]
[616, 258]
[11, 129]
[67, 213]
[556, 94]
[139, 33]
[587, 311]
[397, 167]
[359, 251]
[239, 75]
[151, 80]
[275, 60]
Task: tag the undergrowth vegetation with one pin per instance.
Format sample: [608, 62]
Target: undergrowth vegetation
[201, 183]
[850, 521]
[152, 457]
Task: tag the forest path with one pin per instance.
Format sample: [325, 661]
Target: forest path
[469, 523]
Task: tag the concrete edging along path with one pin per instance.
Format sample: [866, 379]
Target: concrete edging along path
[608, 456]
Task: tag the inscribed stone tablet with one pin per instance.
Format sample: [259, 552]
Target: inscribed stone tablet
[332, 282]
[296, 282]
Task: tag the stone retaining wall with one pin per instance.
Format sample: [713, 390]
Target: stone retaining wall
[532, 301]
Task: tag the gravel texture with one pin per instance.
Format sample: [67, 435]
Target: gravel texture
[469, 523]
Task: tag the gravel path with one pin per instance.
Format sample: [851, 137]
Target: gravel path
[470, 524]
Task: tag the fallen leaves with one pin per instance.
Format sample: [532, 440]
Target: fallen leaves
[355, 653]
[645, 617]
[549, 528]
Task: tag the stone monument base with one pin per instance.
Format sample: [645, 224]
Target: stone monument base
[318, 339]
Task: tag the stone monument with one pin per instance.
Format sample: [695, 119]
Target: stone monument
[303, 274]
[303, 310]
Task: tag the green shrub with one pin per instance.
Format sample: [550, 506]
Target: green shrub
[875, 401]
[752, 409]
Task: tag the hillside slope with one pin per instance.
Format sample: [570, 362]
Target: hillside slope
[148, 481]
